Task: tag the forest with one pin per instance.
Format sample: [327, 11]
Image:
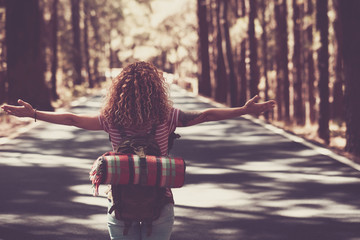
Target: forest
[305, 54]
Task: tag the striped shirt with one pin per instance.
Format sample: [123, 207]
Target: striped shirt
[161, 135]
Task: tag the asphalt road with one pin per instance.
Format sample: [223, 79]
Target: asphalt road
[243, 182]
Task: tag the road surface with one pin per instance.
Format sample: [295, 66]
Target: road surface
[243, 182]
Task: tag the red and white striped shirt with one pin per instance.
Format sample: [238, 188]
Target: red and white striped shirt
[161, 136]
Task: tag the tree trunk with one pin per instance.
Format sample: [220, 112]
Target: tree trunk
[97, 46]
[75, 20]
[282, 70]
[86, 44]
[203, 50]
[25, 58]
[265, 51]
[3, 92]
[242, 73]
[349, 14]
[230, 69]
[338, 112]
[212, 46]
[285, 61]
[279, 72]
[242, 63]
[54, 45]
[310, 64]
[220, 72]
[299, 112]
[322, 22]
[254, 68]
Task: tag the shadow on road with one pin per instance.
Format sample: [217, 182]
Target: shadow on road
[245, 182]
[45, 189]
[242, 182]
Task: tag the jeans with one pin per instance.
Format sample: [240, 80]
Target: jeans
[161, 228]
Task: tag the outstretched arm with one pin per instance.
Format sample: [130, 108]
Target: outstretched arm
[89, 122]
[217, 114]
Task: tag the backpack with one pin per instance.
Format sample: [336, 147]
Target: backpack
[135, 202]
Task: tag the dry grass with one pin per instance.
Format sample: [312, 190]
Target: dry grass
[309, 132]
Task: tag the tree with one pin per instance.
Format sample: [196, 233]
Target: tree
[254, 68]
[86, 43]
[220, 71]
[322, 22]
[299, 112]
[349, 14]
[282, 70]
[97, 39]
[229, 61]
[54, 48]
[3, 80]
[204, 64]
[264, 49]
[76, 50]
[338, 93]
[25, 57]
[242, 62]
[310, 66]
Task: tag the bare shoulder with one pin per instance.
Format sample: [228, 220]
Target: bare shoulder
[189, 118]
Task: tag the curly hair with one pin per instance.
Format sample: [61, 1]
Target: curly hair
[138, 97]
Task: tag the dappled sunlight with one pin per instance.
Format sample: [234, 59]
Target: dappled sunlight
[210, 195]
[63, 224]
[40, 160]
[241, 180]
[262, 166]
[317, 207]
[259, 182]
[85, 195]
[318, 178]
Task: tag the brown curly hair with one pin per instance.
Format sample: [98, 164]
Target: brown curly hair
[138, 97]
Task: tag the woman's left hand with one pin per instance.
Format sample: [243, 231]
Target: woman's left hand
[256, 108]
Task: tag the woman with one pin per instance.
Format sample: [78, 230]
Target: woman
[136, 101]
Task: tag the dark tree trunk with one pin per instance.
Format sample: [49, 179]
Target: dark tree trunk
[3, 92]
[254, 68]
[232, 81]
[242, 73]
[86, 44]
[285, 61]
[220, 72]
[54, 45]
[265, 51]
[204, 66]
[322, 23]
[338, 112]
[299, 112]
[75, 21]
[349, 14]
[282, 70]
[310, 64]
[279, 72]
[25, 58]
[242, 63]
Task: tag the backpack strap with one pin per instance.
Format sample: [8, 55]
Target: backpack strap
[148, 228]
[122, 132]
[127, 227]
[124, 135]
[153, 130]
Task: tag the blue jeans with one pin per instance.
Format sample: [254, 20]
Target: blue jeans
[161, 228]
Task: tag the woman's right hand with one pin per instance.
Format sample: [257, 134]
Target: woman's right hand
[24, 110]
